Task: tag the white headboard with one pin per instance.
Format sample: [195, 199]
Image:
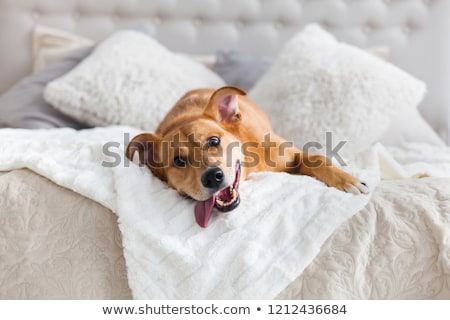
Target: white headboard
[417, 31]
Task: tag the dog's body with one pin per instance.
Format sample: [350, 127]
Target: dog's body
[211, 139]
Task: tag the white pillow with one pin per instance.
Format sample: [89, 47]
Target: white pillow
[318, 84]
[129, 79]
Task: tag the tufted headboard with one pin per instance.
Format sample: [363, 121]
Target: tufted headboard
[417, 31]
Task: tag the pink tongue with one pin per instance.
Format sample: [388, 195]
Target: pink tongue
[203, 210]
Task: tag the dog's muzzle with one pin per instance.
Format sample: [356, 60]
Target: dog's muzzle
[225, 199]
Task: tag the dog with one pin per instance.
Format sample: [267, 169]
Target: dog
[213, 139]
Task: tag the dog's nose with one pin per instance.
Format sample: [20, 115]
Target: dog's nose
[212, 178]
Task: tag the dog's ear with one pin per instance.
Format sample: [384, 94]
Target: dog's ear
[223, 105]
[146, 145]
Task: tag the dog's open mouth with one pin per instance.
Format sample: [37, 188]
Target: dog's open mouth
[224, 200]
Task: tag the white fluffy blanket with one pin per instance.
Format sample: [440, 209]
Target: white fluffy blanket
[252, 252]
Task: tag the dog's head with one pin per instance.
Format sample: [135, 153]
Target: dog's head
[200, 155]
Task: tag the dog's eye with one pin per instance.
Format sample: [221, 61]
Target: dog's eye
[179, 162]
[213, 142]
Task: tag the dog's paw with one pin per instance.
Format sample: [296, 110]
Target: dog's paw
[357, 187]
[348, 183]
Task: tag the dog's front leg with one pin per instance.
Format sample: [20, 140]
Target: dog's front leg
[321, 168]
[279, 155]
[294, 161]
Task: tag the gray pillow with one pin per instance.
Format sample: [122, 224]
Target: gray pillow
[241, 69]
[23, 106]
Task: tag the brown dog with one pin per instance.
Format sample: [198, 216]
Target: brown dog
[210, 140]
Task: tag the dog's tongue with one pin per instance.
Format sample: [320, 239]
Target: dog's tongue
[203, 210]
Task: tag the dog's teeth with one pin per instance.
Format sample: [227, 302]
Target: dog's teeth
[233, 194]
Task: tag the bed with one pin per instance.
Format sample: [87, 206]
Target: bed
[64, 232]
